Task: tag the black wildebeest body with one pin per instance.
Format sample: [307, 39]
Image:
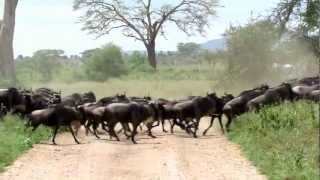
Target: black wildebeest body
[55, 117]
[10, 97]
[93, 114]
[314, 96]
[49, 95]
[219, 111]
[238, 106]
[196, 109]
[71, 100]
[309, 81]
[29, 103]
[126, 113]
[301, 91]
[88, 97]
[271, 96]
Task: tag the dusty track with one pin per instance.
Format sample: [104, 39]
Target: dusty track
[175, 157]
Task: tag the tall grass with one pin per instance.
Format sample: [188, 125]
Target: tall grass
[154, 88]
[282, 141]
[16, 139]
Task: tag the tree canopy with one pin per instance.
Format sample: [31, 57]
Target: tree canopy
[302, 16]
[143, 20]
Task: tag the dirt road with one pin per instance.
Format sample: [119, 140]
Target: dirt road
[176, 157]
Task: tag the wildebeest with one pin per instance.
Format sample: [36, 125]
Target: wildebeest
[10, 97]
[29, 103]
[76, 99]
[113, 99]
[309, 81]
[53, 97]
[301, 91]
[191, 111]
[55, 117]
[126, 113]
[238, 106]
[314, 95]
[219, 111]
[271, 96]
[93, 113]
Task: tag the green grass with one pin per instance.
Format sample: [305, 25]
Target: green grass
[282, 141]
[15, 139]
[154, 88]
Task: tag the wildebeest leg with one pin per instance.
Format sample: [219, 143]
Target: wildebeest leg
[196, 127]
[126, 129]
[95, 126]
[211, 123]
[141, 127]
[149, 126]
[172, 125]
[134, 132]
[163, 123]
[220, 122]
[34, 128]
[104, 127]
[229, 117]
[74, 137]
[87, 125]
[112, 132]
[54, 134]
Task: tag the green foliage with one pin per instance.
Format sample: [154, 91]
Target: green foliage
[105, 63]
[42, 66]
[188, 48]
[282, 141]
[301, 17]
[249, 51]
[138, 62]
[16, 139]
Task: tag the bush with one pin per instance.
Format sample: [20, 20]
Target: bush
[282, 140]
[15, 139]
[138, 62]
[105, 63]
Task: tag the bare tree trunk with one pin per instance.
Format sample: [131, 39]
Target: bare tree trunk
[6, 39]
[151, 51]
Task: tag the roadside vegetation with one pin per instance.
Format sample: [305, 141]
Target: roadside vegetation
[16, 139]
[282, 141]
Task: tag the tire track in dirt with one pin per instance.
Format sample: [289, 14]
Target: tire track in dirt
[169, 157]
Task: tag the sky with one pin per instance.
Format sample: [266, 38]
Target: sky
[52, 24]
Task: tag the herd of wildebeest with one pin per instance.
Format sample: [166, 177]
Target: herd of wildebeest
[46, 106]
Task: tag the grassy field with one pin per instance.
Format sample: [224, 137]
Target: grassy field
[154, 88]
[282, 141]
[15, 139]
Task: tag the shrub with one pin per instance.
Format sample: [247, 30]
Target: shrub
[105, 63]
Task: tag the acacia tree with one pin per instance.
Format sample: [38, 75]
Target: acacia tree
[6, 38]
[302, 16]
[143, 21]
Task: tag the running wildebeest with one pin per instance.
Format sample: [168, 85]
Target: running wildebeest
[238, 106]
[126, 113]
[219, 112]
[55, 117]
[271, 96]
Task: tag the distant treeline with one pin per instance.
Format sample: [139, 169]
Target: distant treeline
[254, 53]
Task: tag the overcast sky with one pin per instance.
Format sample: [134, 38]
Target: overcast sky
[51, 24]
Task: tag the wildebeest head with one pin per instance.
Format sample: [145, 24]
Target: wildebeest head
[227, 97]
[88, 97]
[122, 97]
